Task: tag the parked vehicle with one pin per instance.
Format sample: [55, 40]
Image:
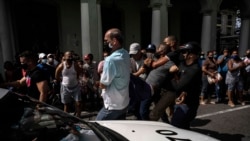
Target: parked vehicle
[26, 119]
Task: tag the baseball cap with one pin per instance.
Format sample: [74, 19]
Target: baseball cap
[42, 55]
[134, 48]
[191, 47]
[151, 48]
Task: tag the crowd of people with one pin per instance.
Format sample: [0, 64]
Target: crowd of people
[164, 81]
[226, 76]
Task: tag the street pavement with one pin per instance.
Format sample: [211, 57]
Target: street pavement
[223, 122]
[217, 120]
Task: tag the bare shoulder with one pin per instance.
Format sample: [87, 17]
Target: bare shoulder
[60, 66]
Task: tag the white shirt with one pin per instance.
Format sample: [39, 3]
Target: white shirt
[116, 77]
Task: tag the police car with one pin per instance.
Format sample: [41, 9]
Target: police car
[26, 119]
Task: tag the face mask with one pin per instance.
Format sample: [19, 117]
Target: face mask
[150, 55]
[110, 46]
[50, 60]
[86, 66]
[211, 57]
[44, 61]
[202, 57]
[215, 56]
[24, 66]
[235, 57]
[70, 59]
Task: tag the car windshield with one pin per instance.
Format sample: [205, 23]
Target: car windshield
[26, 119]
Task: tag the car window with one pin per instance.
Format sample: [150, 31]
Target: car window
[22, 120]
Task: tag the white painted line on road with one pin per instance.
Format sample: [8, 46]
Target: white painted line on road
[224, 111]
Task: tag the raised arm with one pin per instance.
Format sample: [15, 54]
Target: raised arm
[58, 72]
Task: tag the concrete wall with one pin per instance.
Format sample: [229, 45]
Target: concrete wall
[69, 25]
[131, 21]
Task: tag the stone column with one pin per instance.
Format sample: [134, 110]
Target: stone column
[233, 24]
[224, 21]
[6, 35]
[156, 22]
[99, 32]
[209, 9]
[245, 27]
[6, 44]
[91, 28]
[85, 26]
[164, 18]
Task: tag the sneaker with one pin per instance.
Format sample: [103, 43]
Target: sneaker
[202, 103]
[231, 104]
[212, 102]
[243, 103]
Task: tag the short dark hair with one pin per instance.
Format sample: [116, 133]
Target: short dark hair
[91, 56]
[166, 48]
[29, 55]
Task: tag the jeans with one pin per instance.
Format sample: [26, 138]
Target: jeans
[183, 115]
[105, 114]
[144, 109]
[207, 89]
[221, 89]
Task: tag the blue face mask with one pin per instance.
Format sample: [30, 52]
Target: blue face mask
[44, 61]
[215, 56]
[235, 57]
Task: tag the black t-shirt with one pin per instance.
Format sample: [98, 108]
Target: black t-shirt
[190, 82]
[176, 57]
[32, 77]
[49, 71]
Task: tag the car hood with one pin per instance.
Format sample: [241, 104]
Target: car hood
[151, 130]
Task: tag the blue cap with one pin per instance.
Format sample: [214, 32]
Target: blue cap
[151, 47]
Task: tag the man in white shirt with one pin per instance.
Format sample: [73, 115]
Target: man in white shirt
[115, 78]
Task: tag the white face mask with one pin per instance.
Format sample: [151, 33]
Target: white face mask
[110, 46]
[86, 66]
[44, 61]
[150, 55]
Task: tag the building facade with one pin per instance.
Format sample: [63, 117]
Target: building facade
[60, 25]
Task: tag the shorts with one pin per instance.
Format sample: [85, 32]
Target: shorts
[69, 93]
[238, 85]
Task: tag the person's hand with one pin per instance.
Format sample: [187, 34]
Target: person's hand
[148, 62]
[102, 86]
[55, 81]
[181, 98]
[173, 69]
[212, 75]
